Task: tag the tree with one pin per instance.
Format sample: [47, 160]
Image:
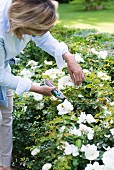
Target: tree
[91, 4]
[63, 1]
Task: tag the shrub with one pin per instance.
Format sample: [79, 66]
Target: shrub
[80, 136]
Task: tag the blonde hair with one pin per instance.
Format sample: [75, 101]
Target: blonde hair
[33, 17]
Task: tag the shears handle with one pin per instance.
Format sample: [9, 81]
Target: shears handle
[57, 93]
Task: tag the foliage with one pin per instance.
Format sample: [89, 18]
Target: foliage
[41, 135]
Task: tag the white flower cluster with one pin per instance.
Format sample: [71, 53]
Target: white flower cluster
[48, 62]
[100, 54]
[83, 118]
[86, 71]
[103, 76]
[40, 105]
[37, 96]
[65, 81]
[65, 107]
[108, 160]
[26, 73]
[32, 63]
[83, 130]
[70, 149]
[53, 73]
[91, 152]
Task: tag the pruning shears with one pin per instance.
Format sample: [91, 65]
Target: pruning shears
[57, 93]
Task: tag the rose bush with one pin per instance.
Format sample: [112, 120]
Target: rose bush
[76, 134]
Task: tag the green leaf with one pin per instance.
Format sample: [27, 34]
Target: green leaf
[78, 143]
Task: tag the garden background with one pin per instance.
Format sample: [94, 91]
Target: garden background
[76, 134]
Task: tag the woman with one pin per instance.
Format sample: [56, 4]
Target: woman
[20, 21]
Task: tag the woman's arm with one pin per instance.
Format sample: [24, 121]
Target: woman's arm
[49, 44]
[60, 52]
[17, 83]
[7, 79]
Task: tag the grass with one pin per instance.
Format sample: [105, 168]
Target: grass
[103, 21]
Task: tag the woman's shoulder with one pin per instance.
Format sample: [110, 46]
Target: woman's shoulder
[4, 6]
[4, 21]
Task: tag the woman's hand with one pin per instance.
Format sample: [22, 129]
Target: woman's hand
[45, 90]
[74, 69]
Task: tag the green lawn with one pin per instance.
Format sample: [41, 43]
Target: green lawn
[103, 21]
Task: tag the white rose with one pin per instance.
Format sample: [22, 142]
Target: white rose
[90, 118]
[86, 72]
[106, 168]
[71, 149]
[48, 62]
[91, 152]
[112, 131]
[53, 73]
[62, 128]
[68, 150]
[35, 151]
[74, 131]
[102, 54]
[83, 129]
[74, 150]
[82, 118]
[108, 158]
[32, 63]
[103, 76]
[95, 166]
[93, 50]
[26, 73]
[80, 96]
[64, 107]
[24, 108]
[90, 133]
[79, 58]
[47, 166]
[37, 96]
[40, 106]
[111, 103]
[64, 82]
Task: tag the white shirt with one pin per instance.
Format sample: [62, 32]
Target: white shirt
[10, 46]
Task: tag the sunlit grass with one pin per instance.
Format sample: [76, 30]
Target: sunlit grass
[103, 20]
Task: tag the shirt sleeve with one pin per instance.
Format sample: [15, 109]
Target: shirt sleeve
[7, 79]
[49, 44]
